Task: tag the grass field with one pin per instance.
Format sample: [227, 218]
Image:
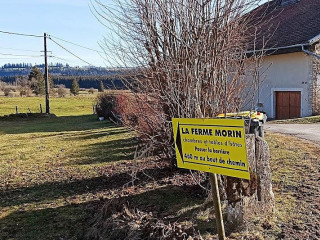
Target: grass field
[69, 106]
[295, 178]
[52, 170]
[56, 173]
[305, 120]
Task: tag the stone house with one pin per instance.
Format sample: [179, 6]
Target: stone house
[290, 86]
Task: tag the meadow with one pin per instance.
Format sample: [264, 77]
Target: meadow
[52, 168]
[59, 174]
[67, 106]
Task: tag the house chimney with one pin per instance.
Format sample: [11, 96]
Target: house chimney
[288, 2]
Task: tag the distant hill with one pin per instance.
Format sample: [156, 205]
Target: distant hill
[64, 74]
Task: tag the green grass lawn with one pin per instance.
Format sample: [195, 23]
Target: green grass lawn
[55, 173]
[52, 170]
[69, 106]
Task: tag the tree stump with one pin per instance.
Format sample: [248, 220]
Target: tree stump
[246, 198]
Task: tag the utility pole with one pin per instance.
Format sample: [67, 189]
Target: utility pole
[46, 74]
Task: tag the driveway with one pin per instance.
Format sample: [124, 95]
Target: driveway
[306, 131]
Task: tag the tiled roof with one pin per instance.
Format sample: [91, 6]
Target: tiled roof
[290, 24]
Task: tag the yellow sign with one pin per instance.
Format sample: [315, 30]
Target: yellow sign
[212, 145]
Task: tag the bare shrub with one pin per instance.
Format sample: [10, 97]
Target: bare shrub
[22, 81]
[24, 88]
[62, 91]
[127, 108]
[116, 220]
[25, 92]
[131, 106]
[91, 90]
[11, 94]
[6, 90]
[14, 88]
[2, 85]
[187, 59]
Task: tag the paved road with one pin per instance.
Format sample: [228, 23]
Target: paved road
[306, 131]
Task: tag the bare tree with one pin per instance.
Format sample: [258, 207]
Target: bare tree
[188, 58]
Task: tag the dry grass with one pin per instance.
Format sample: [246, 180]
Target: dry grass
[305, 120]
[55, 173]
[294, 165]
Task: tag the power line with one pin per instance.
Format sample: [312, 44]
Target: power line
[9, 58]
[70, 52]
[21, 34]
[19, 55]
[50, 37]
[17, 49]
[63, 59]
[91, 49]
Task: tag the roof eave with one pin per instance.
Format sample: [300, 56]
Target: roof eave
[314, 39]
[280, 50]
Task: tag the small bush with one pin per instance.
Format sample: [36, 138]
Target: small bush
[54, 92]
[14, 88]
[144, 115]
[2, 85]
[11, 94]
[62, 91]
[136, 109]
[25, 91]
[91, 90]
[6, 91]
[106, 106]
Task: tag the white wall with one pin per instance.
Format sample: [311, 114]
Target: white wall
[286, 72]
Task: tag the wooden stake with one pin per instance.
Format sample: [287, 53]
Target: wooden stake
[217, 205]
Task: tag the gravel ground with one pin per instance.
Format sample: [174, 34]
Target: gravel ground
[309, 132]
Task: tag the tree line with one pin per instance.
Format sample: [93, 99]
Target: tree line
[110, 82]
[57, 69]
[35, 83]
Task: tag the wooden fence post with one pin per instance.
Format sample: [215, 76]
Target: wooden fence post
[217, 205]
